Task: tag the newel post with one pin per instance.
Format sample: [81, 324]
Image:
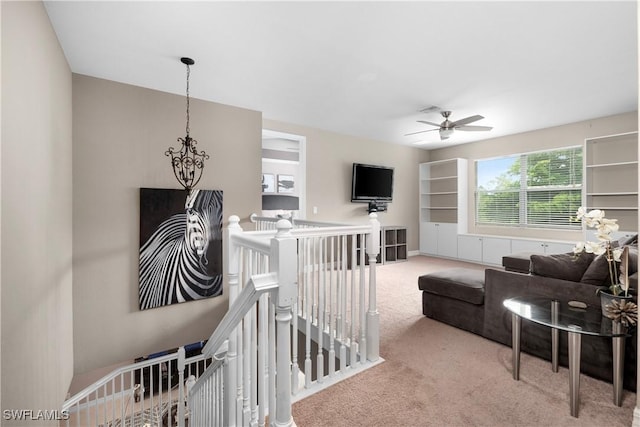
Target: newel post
[233, 268]
[283, 260]
[181, 392]
[373, 317]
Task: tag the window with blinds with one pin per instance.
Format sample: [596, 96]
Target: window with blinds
[542, 189]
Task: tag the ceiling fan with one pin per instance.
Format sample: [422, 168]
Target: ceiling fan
[447, 127]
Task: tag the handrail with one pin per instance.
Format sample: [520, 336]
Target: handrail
[76, 398]
[254, 242]
[215, 365]
[249, 295]
[330, 231]
[295, 221]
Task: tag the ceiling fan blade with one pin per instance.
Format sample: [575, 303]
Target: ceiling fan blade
[467, 120]
[421, 131]
[429, 123]
[473, 128]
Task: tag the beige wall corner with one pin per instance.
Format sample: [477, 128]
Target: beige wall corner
[37, 334]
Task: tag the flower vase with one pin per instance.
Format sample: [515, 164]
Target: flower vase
[606, 298]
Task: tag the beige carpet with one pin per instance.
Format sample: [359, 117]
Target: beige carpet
[437, 375]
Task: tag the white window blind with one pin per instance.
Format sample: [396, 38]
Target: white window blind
[542, 189]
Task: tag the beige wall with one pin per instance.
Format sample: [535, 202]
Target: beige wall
[543, 139]
[120, 135]
[329, 164]
[37, 342]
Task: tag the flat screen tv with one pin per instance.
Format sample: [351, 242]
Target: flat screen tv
[370, 183]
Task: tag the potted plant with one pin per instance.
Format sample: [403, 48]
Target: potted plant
[618, 286]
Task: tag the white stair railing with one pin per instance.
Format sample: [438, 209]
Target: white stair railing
[141, 393]
[257, 333]
[264, 223]
[297, 306]
[213, 397]
[335, 285]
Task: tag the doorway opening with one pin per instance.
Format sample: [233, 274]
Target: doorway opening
[283, 175]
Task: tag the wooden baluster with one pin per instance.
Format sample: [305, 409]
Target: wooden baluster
[352, 336]
[332, 352]
[362, 345]
[308, 315]
[181, 396]
[321, 308]
[343, 303]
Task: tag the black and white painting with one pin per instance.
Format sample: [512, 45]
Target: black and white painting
[180, 246]
[268, 183]
[285, 184]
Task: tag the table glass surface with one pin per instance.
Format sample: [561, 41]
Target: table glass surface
[587, 321]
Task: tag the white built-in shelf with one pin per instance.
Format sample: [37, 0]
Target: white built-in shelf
[616, 193]
[443, 205]
[613, 208]
[441, 192]
[439, 178]
[611, 165]
[611, 177]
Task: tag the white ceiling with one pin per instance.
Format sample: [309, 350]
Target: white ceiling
[367, 68]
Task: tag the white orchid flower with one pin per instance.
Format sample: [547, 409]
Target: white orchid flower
[617, 254]
[604, 228]
[593, 218]
[594, 248]
[595, 214]
[607, 226]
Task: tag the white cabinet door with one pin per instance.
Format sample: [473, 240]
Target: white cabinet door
[470, 248]
[541, 247]
[558, 248]
[527, 246]
[439, 239]
[429, 238]
[448, 240]
[493, 249]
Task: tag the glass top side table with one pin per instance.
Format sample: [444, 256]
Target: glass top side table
[576, 319]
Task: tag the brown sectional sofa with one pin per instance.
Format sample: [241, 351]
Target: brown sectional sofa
[472, 300]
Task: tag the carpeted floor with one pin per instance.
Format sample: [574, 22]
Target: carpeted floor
[438, 375]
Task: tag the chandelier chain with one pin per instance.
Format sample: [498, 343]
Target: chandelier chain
[188, 74]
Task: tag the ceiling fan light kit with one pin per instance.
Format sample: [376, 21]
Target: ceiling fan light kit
[447, 127]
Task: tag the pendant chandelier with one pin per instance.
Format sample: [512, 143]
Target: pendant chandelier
[187, 163]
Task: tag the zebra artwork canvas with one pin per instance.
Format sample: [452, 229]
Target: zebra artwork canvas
[180, 246]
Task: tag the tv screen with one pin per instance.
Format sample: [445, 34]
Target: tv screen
[371, 183]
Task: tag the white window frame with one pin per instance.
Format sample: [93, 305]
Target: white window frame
[524, 192]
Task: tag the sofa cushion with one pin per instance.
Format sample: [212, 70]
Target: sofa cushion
[458, 283]
[598, 272]
[561, 266]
